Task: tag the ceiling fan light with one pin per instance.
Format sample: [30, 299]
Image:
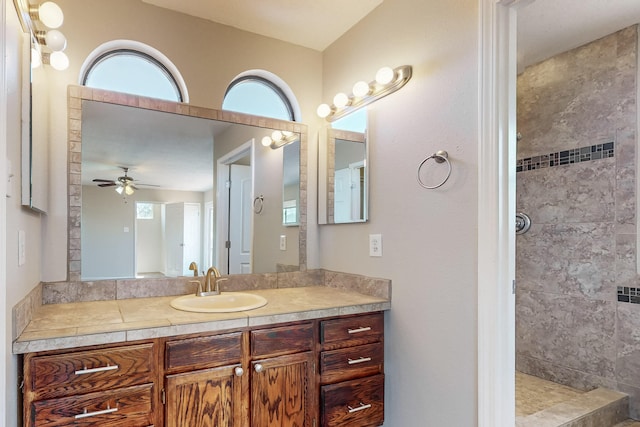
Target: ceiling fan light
[119, 189]
[128, 190]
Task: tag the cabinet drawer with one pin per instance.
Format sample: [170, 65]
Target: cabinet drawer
[215, 350]
[353, 403]
[352, 330]
[282, 340]
[92, 370]
[129, 407]
[351, 362]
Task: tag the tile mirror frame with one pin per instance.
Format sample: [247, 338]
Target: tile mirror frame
[77, 94]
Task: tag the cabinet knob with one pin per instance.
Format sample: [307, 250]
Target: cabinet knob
[239, 371]
[258, 368]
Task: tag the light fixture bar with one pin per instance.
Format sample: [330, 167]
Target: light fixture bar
[402, 75]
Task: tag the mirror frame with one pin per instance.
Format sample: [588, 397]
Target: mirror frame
[326, 172]
[77, 94]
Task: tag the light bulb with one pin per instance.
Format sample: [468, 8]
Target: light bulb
[385, 75]
[119, 189]
[287, 133]
[276, 135]
[361, 89]
[36, 59]
[266, 141]
[128, 190]
[55, 40]
[341, 100]
[323, 110]
[59, 61]
[50, 14]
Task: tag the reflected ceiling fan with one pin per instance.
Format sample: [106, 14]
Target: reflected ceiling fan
[124, 184]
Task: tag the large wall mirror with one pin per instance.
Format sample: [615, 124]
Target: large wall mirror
[156, 185]
[343, 171]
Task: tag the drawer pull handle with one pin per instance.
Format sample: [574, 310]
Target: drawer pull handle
[94, 370]
[239, 371]
[86, 414]
[357, 331]
[362, 407]
[258, 368]
[360, 360]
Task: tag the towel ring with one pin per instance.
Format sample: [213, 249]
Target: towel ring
[439, 157]
[258, 204]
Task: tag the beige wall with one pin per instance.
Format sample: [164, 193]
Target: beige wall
[208, 55]
[19, 279]
[429, 236]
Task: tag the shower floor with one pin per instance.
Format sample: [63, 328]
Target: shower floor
[536, 401]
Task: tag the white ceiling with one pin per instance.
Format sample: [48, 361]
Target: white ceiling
[545, 27]
[313, 24]
[168, 150]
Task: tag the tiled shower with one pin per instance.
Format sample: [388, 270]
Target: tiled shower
[578, 289]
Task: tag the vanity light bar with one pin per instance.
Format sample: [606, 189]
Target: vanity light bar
[386, 82]
[49, 15]
[279, 139]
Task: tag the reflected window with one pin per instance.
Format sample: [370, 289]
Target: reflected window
[258, 96]
[144, 210]
[134, 72]
[354, 122]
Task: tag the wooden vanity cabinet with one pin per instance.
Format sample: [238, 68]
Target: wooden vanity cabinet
[352, 371]
[101, 386]
[204, 384]
[282, 376]
[272, 376]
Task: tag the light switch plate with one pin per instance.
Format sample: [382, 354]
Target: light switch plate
[283, 242]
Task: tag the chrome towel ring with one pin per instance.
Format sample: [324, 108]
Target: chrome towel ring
[440, 156]
[258, 204]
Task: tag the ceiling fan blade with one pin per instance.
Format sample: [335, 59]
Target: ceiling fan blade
[108, 184]
[103, 180]
[147, 185]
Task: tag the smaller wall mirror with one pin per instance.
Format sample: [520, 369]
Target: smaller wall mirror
[291, 184]
[343, 171]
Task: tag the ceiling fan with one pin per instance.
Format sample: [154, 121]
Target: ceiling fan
[124, 184]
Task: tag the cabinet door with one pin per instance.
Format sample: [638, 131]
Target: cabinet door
[206, 398]
[281, 391]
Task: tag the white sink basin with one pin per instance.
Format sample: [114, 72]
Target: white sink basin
[226, 302]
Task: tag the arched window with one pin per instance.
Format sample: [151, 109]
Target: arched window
[131, 67]
[256, 92]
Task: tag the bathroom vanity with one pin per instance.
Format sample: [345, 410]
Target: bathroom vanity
[295, 362]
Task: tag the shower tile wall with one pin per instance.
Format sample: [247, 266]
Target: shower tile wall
[581, 248]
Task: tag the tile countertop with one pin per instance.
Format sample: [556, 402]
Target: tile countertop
[61, 326]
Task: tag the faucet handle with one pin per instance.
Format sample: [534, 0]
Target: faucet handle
[197, 282]
[217, 282]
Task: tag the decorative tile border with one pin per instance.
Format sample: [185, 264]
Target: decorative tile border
[566, 157]
[626, 294]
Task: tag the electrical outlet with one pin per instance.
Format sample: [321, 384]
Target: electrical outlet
[375, 244]
[283, 242]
